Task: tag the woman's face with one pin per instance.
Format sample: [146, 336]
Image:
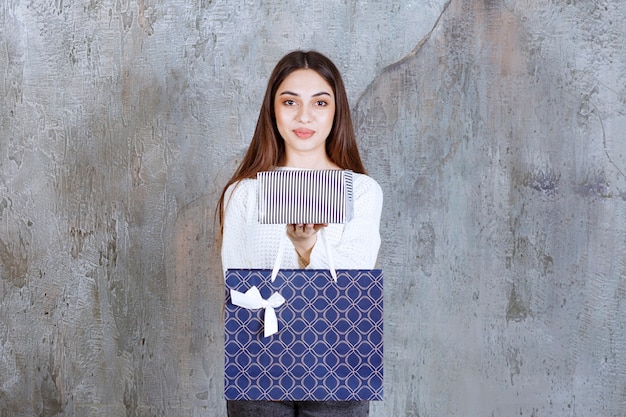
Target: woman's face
[304, 106]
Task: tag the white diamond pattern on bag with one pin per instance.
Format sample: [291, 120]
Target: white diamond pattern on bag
[329, 345]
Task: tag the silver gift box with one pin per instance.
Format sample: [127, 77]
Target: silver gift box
[292, 196]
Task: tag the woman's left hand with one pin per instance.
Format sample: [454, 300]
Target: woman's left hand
[303, 232]
[303, 237]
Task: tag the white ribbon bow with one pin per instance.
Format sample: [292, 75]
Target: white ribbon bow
[252, 299]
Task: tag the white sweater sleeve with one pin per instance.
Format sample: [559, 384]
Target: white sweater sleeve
[236, 209]
[355, 244]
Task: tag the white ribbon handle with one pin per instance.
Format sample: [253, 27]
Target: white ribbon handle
[281, 249]
[253, 300]
[329, 253]
[279, 256]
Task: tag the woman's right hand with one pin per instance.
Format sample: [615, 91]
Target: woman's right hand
[304, 237]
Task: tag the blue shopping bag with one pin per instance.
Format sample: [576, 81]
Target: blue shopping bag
[303, 335]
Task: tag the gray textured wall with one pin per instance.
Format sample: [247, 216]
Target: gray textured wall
[496, 128]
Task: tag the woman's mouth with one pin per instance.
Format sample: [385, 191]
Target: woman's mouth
[304, 133]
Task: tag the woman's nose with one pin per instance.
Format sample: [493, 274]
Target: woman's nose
[304, 114]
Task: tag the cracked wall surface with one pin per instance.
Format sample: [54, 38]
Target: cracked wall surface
[496, 129]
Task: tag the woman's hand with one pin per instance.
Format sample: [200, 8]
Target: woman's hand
[303, 237]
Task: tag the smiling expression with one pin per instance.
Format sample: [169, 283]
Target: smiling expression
[304, 105]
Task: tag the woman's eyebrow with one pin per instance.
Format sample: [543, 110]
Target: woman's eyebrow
[291, 93]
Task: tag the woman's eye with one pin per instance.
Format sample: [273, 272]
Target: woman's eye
[321, 103]
[289, 102]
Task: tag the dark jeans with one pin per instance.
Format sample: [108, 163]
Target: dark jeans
[298, 408]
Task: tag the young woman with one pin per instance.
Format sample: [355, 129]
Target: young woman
[304, 123]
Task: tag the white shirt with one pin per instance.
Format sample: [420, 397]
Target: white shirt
[246, 243]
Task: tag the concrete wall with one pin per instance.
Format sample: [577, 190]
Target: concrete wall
[496, 128]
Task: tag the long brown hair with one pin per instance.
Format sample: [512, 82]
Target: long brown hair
[267, 148]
